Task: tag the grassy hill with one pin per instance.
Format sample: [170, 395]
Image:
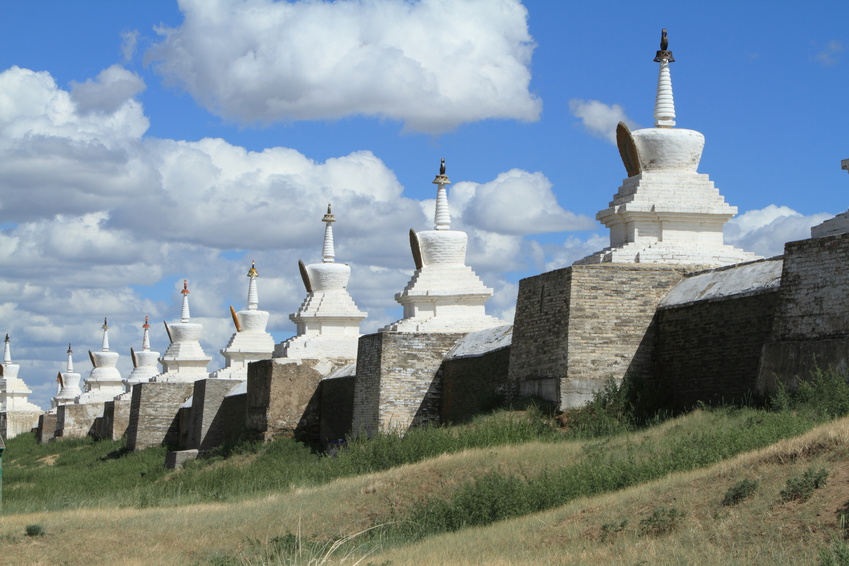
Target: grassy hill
[510, 488]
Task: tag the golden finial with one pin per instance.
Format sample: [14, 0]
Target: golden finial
[145, 325]
[252, 272]
[185, 290]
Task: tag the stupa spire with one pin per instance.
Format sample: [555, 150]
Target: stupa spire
[146, 339]
[70, 359]
[184, 314]
[105, 344]
[328, 253]
[664, 103]
[253, 296]
[7, 352]
[442, 217]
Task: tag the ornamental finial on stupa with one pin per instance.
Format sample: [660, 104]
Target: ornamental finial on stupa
[253, 295]
[328, 253]
[146, 336]
[664, 103]
[442, 217]
[184, 314]
[7, 352]
[252, 271]
[105, 344]
[70, 353]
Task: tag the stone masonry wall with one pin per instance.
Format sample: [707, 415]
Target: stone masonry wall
[77, 419]
[398, 383]
[46, 428]
[473, 385]
[13, 423]
[578, 326]
[811, 327]
[710, 350]
[206, 427]
[337, 408]
[153, 414]
[282, 395]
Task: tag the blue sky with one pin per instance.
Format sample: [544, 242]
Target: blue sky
[147, 142]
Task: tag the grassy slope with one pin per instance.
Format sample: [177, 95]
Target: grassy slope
[757, 528]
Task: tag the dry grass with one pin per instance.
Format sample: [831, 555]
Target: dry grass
[758, 530]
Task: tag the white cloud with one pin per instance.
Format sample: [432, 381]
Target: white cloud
[111, 88]
[518, 202]
[573, 249]
[433, 64]
[129, 42]
[600, 119]
[831, 53]
[765, 231]
[102, 221]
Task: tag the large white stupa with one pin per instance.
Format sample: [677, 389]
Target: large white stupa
[184, 360]
[444, 294]
[145, 362]
[104, 383]
[251, 342]
[665, 211]
[13, 391]
[69, 384]
[328, 321]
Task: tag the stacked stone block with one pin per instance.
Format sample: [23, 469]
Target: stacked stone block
[153, 414]
[811, 329]
[578, 326]
[399, 380]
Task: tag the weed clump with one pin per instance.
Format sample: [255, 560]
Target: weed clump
[801, 488]
[610, 530]
[34, 530]
[739, 491]
[662, 521]
[824, 396]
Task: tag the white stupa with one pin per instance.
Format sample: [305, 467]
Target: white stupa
[184, 360]
[251, 342]
[665, 211]
[328, 322]
[104, 383]
[444, 294]
[13, 390]
[145, 363]
[69, 384]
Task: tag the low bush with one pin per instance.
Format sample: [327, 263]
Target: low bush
[661, 521]
[801, 488]
[34, 530]
[739, 491]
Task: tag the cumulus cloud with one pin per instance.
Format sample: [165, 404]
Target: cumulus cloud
[100, 220]
[600, 119]
[765, 231]
[112, 88]
[518, 202]
[432, 64]
[831, 53]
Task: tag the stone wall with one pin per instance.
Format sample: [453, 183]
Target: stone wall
[474, 375]
[711, 328]
[398, 382]
[46, 428]
[811, 327]
[337, 408]
[153, 414]
[576, 327]
[282, 397]
[76, 420]
[206, 422]
[13, 423]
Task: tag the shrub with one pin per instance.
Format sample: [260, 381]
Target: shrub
[610, 530]
[660, 522]
[739, 491]
[34, 530]
[825, 395]
[801, 488]
[837, 555]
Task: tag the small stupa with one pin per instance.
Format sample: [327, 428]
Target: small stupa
[104, 383]
[69, 383]
[665, 211]
[145, 362]
[837, 225]
[13, 391]
[184, 360]
[444, 294]
[328, 321]
[251, 342]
